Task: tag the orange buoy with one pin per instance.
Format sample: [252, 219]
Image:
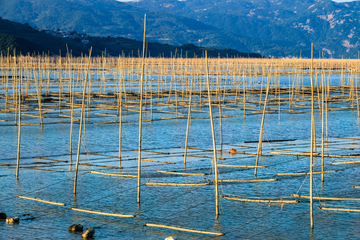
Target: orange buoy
[232, 150]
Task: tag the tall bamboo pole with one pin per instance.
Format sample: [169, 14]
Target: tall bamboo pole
[312, 139]
[15, 91]
[213, 140]
[262, 125]
[38, 90]
[188, 123]
[140, 111]
[81, 120]
[322, 127]
[71, 82]
[219, 97]
[19, 129]
[120, 109]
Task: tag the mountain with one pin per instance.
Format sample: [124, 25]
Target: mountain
[270, 27]
[25, 39]
[331, 26]
[10, 43]
[116, 19]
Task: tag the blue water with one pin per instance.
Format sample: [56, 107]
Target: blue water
[186, 207]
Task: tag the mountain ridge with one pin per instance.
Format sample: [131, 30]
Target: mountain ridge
[321, 22]
[22, 38]
[272, 28]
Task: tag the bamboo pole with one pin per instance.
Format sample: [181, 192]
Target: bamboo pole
[262, 127]
[295, 174]
[176, 184]
[188, 123]
[120, 109]
[40, 200]
[248, 180]
[50, 159]
[219, 97]
[38, 90]
[341, 163]
[326, 198]
[239, 166]
[71, 82]
[102, 213]
[114, 174]
[182, 229]
[322, 128]
[19, 126]
[15, 90]
[184, 174]
[315, 155]
[268, 201]
[312, 138]
[148, 160]
[213, 140]
[140, 112]
[340, 209]
[60, 81]
[104, 155]
[81, 120]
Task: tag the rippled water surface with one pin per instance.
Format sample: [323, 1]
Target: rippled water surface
[186, 207]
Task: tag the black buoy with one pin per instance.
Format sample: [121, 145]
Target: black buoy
[89, 233]
[76, 228]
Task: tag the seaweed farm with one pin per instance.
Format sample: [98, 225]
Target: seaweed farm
[203, 148]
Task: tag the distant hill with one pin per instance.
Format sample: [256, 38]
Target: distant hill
[332, 27]
[25, 39]
[10, 43]
[165, 24]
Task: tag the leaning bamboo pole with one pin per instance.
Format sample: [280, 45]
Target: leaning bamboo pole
[102, 213]
[177, 184]
[180, 173]
[188, 123]
[239, 166]
[213, 139]
[81, 119]
[249, 180]
[262, 126]
[183, 229]
[305, 173]
[326, 198]
[114, 174]
[41, 200]
[340, 209]
[140, 112]
[268, 201]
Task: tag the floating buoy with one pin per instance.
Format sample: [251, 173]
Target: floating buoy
[169, 238]
[2, 216]
[12, 220]
[232, 150]
[89, 233]
[76, 228]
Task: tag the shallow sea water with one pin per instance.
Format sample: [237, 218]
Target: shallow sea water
[187, 207]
